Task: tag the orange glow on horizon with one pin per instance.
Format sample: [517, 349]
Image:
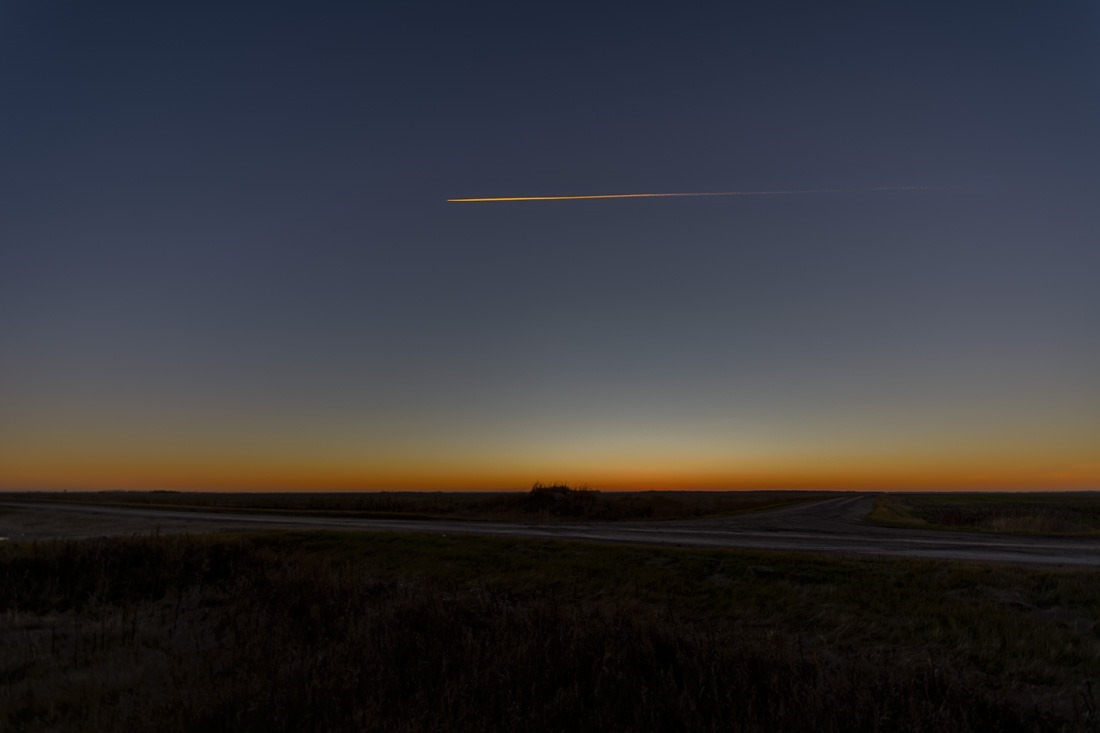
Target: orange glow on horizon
[83, 459]
[1083, 477]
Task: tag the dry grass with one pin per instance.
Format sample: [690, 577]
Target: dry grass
[1026, 513]
[326, 631]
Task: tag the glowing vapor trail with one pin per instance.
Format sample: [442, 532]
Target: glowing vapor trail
[496, 199]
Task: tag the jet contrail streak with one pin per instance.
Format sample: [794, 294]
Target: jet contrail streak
[497, 199]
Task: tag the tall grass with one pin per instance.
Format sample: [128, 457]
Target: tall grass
[327, 632]
[322, 632]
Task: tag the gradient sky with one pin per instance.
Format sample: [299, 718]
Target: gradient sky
[227, 260]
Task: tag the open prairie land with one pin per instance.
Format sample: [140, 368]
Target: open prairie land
[317, 631]
[1048, 513]
[541, 503]
[833, 525]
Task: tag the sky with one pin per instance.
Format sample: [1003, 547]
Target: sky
[227, 258]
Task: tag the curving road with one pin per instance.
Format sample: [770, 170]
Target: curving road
[831, 526]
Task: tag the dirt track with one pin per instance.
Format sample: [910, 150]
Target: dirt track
[832, 526]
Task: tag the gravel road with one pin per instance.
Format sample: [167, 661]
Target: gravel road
[831, 526]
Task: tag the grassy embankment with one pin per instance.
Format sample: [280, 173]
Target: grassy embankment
[542, 503]
[332, 631]
[1025, 513]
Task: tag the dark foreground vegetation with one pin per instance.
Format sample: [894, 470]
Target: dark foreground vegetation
[541, 503]
[329, 631]
[1076, 513]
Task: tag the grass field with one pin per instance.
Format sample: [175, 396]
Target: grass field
[1023, 513]
[541, 503]
[333, 631]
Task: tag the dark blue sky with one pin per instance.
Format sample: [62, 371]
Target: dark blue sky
[226, 257]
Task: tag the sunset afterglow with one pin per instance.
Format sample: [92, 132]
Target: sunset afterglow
[818, 251]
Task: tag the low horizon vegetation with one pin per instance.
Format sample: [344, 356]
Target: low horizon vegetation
[317, 631]
[543, 502]
[1036, 513]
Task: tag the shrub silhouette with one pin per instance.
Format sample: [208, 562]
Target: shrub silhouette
[561, 500]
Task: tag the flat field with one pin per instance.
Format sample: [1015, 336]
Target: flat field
[542, 503]
[835, 525]
[1055, 514]
[318, 631]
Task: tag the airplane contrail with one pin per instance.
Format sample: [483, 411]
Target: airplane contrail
[498, 199]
